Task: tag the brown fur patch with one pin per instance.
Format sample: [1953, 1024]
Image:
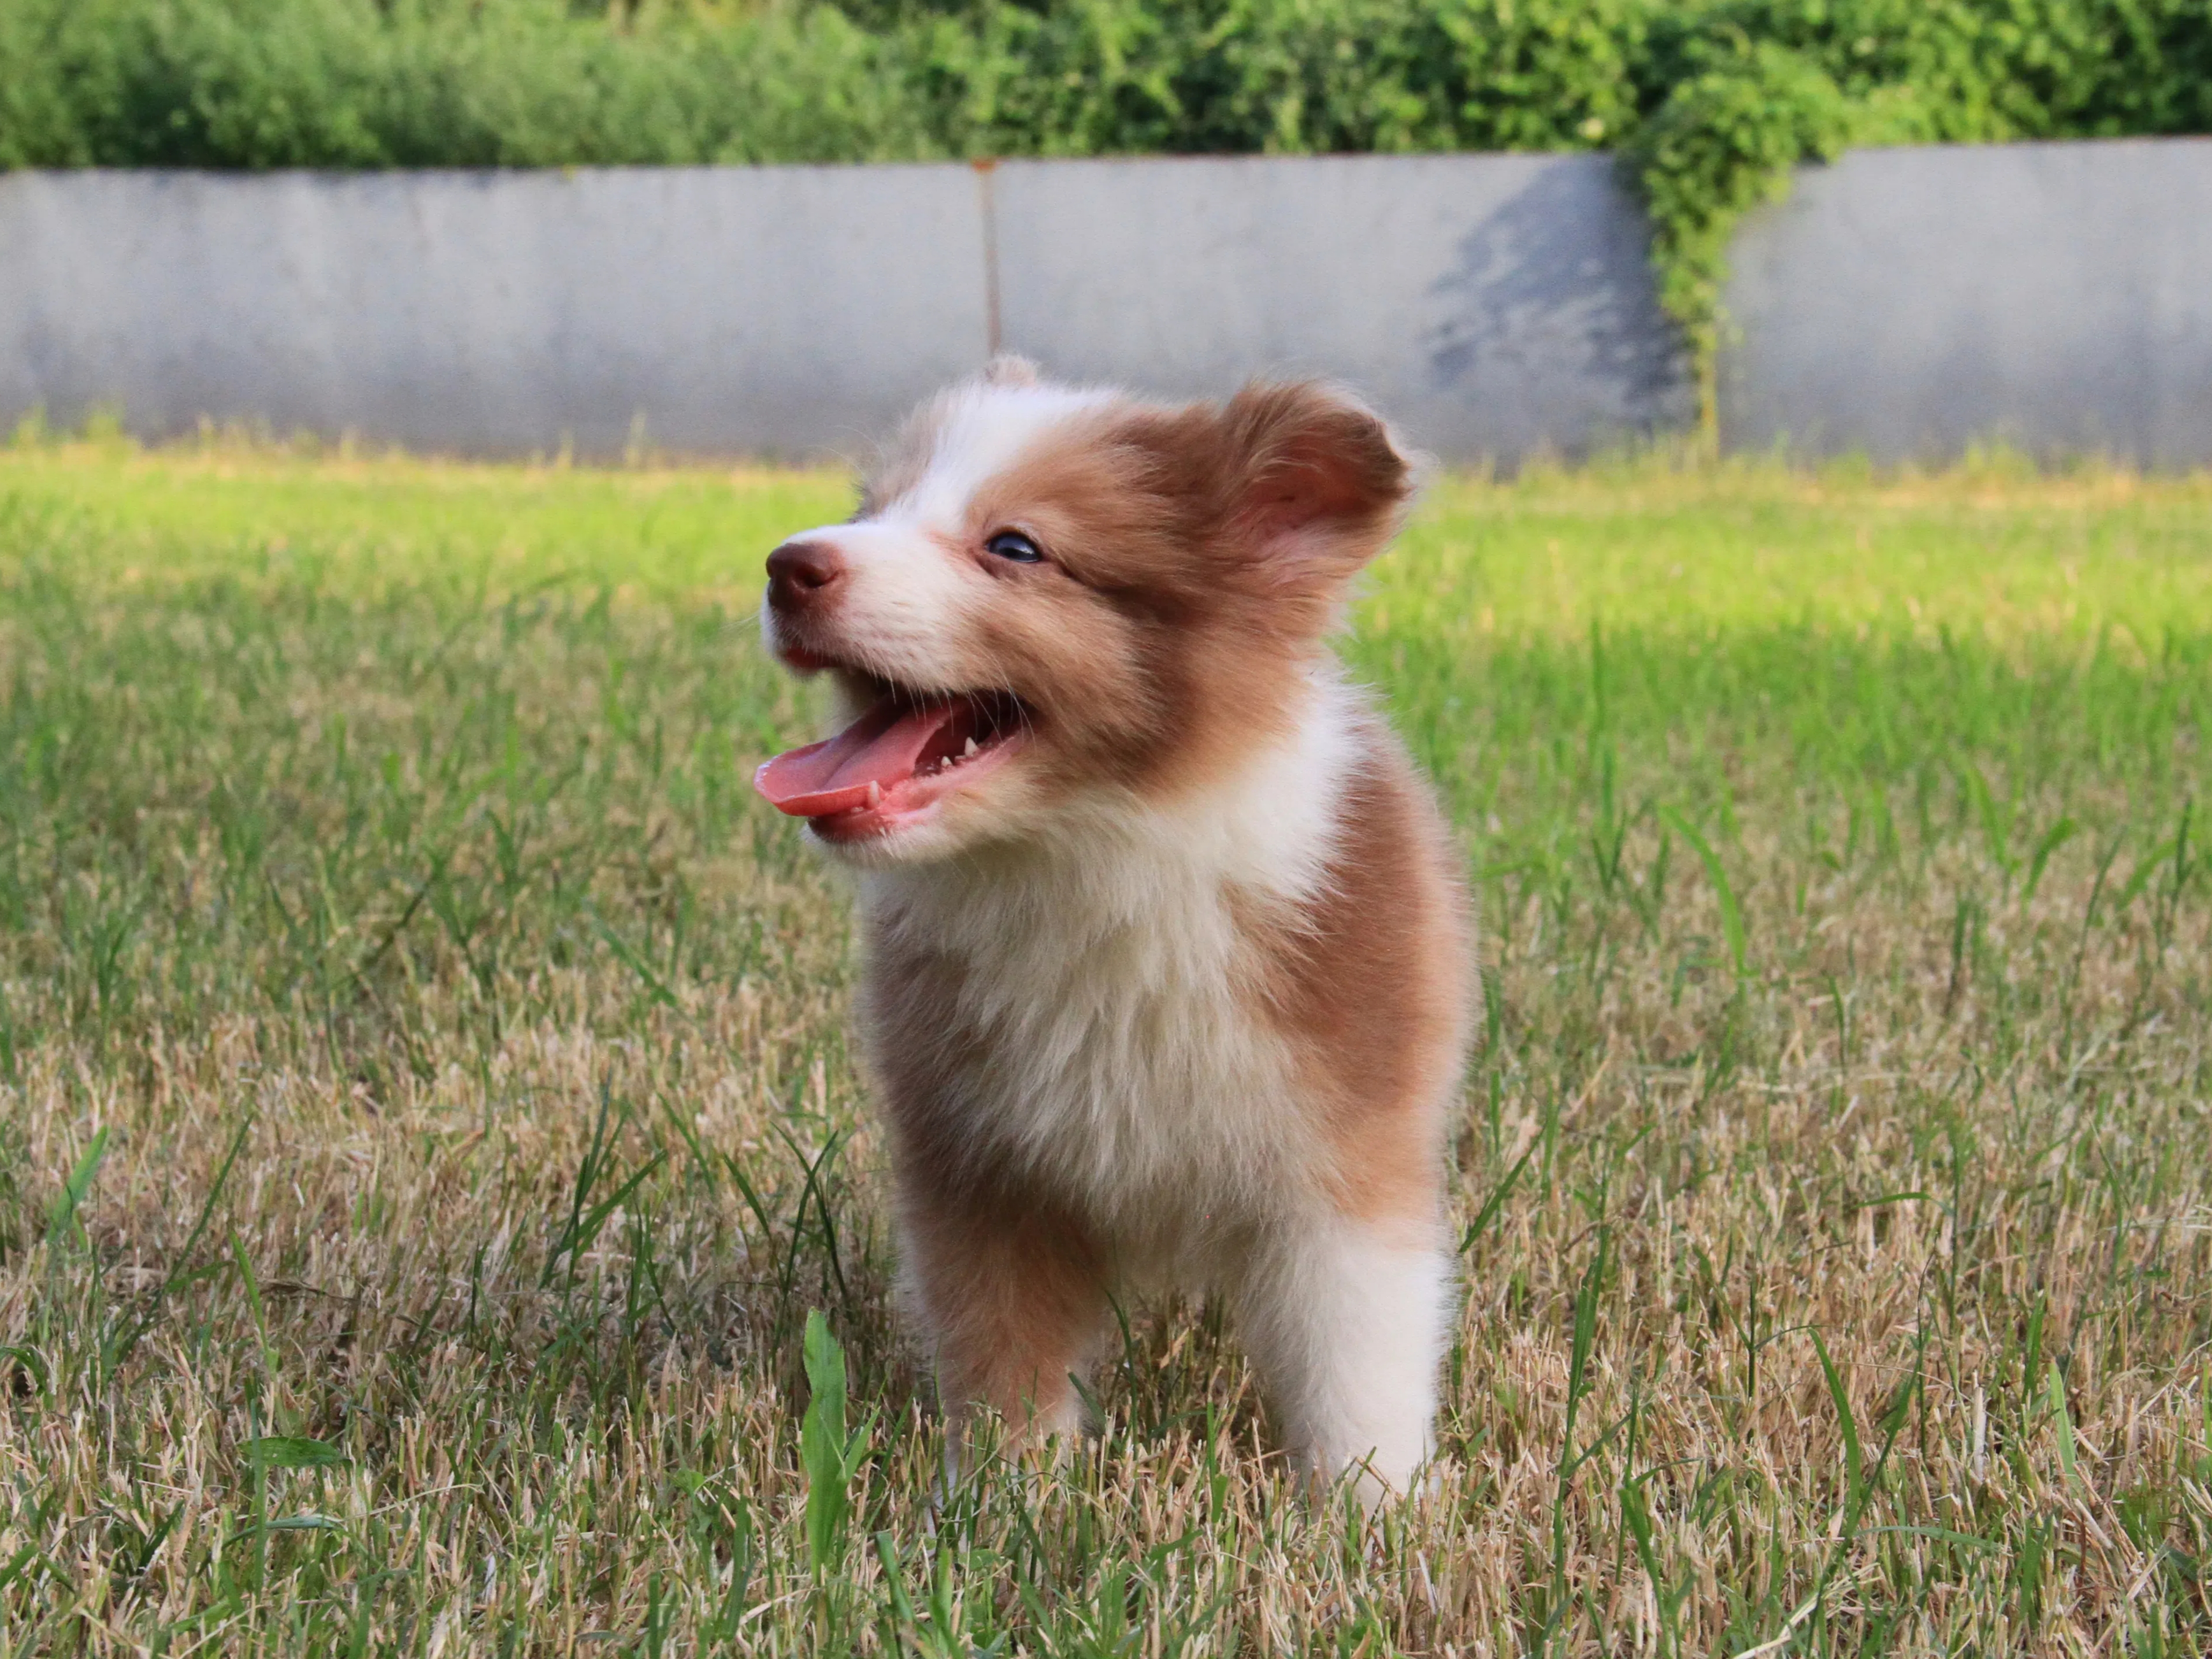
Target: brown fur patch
[1368, 986]
[1013, 1290]
[1014, 1293]
[1015, 1300]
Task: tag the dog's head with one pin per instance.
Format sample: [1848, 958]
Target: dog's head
[1051, 597]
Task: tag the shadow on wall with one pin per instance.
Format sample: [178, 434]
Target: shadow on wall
[1549, 307]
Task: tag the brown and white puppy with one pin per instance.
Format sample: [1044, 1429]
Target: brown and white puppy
[1166, 963]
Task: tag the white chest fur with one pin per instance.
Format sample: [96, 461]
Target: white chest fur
[1117, 1043]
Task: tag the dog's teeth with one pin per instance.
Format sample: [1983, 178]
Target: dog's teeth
[875, 794]
[969, 749]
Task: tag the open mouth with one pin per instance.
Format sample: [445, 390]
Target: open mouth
[891, 766]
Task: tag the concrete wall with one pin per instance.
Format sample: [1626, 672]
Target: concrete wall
[1492, 304]
[1903, 302]
[1909, 302]
[754, 310]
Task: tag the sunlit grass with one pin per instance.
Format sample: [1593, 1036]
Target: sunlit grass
[365, 523]
[448, 1052]
[1646, 544]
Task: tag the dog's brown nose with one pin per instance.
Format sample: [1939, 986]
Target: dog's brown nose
[799, 572]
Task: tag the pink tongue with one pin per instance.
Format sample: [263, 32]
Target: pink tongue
[880, 748]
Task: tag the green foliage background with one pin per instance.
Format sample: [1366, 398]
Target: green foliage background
[1709, 102]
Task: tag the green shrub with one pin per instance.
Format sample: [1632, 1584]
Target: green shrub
[1710, 103]
[1739, 92]
[358, 84]
[1285, 76]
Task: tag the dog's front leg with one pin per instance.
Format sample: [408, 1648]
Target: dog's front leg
[1010, 1302]
[1345, 1320]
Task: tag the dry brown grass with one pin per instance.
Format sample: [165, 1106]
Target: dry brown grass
[466, 1057]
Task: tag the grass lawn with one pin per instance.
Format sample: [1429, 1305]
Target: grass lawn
[426, 1117]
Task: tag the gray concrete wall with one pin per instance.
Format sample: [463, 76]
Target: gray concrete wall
[1907, 303]
[1902, 303]
[752, 310]
[1491, 304]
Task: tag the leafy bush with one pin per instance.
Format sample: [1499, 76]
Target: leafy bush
[1710, 103]
[1737, 92]
[1288, 77]
[359, 84]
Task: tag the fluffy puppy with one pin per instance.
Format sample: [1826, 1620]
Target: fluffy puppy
[1166, 976]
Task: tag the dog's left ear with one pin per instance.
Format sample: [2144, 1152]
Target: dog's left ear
[1319, 484]
[1009, 369]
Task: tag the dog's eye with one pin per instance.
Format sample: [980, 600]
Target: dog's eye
[1012, 545]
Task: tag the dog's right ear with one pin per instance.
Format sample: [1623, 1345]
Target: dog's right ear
[1009, 369]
